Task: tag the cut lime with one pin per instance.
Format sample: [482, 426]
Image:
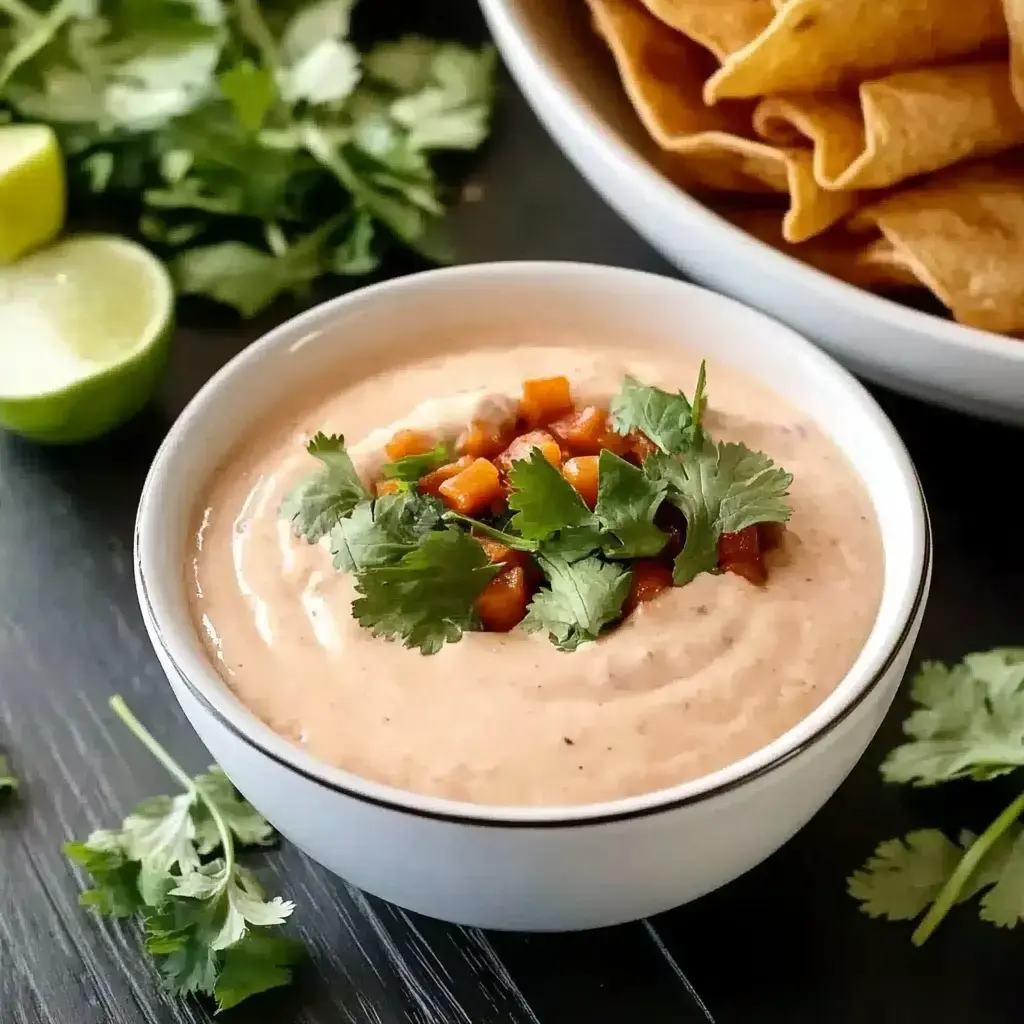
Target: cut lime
[31, 189]
[85, 327]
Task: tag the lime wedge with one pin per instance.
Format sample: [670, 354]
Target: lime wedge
[31, 189]
[85, 328]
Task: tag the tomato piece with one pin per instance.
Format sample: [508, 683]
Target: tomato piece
[545, 399]
[431, 483]
[740, 553]
[483, 439]
[408, 442]
[388, 487]
[502, 603]
[670, 518]
[473, 489]
[771, 535]
[521, 447]
[650, 577]
[638, 447]
[582, 473]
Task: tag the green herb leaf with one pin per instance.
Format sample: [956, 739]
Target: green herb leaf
[251, 92]
[410, 468]
[382, 532]
[8, 780]
[903, 876]
[627, 502]
[969, 722]
[320, 502]
[427, 598]
[720, 489]
[575, 543]
[207, 920]
[581, 598]
[543, 500]
[670, 421]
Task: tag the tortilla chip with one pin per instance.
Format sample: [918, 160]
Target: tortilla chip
[721, 26]
[662, 72]
[871, 263]
[819, 45]
[962, 233]
[903, 125]
[1014, 10]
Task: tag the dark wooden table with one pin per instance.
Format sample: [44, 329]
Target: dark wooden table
[783, 944]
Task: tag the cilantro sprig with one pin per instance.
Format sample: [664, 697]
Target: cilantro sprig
[418, 568]
[225, 129]
[968, 724]
[174, 862]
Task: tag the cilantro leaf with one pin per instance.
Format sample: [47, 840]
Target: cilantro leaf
[8, 780]
[410, 468]
[581, 598]
[575, 543]
[254, 964]
[969, 722]
[903, 876]
[670, 421]
[543, 500]
[720, 489]
[427, 598]
[321, 501]
[201, 916]
[627, 501]
[251, 92]
[383, 531]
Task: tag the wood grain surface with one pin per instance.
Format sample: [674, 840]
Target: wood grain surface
[782, 944]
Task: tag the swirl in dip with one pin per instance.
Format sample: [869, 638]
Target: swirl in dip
[690, 682]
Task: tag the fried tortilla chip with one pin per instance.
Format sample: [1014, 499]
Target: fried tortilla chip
[721, 26]
[962, 233]
[662, 72]
[865, 262]
[1015, 22]
[820, 45]
[903, 125]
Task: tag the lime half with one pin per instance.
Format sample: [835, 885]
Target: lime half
[85, 327]
[31, 189]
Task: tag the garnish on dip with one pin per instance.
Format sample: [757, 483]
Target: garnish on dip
[562, 520]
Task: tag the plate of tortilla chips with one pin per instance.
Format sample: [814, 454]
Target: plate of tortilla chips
[853, 167]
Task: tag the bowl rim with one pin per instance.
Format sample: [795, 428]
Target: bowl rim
[560, 94]
[228, 710]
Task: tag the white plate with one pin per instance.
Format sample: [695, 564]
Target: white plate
[569, 80]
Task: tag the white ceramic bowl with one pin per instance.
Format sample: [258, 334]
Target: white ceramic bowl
[570, 81]
[551, 868]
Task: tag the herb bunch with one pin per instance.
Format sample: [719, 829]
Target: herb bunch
[258, 146]
[969, 724]
[174, 862]
[419, 568]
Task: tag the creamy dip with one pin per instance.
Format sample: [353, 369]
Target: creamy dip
[691, 682]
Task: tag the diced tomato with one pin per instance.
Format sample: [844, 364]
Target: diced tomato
[545, 399]
[408, 442]
[650, 577]
[388, 487]
[638, 447]
[473, 489]
[502, 603]
[771, 535]
[582, 473]
[431, 483]
[740, 553]
[484, 440]
[521, 447]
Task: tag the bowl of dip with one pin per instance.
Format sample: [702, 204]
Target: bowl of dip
[499, 781]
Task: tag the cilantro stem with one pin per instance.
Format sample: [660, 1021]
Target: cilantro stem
[947, 897]
[21, 12]
[255, 29]
[149, 741]
[508, 539]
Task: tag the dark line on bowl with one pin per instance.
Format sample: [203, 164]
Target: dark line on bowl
[481, 820]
